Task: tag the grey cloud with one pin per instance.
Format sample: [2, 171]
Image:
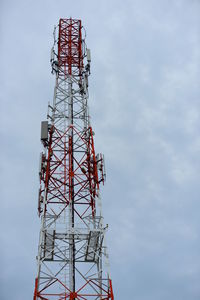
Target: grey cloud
[144, 104]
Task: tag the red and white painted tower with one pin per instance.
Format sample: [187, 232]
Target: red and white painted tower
[72, 256]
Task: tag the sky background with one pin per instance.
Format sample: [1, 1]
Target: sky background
[145, 109]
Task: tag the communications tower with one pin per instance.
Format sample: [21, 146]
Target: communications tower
[72, 256]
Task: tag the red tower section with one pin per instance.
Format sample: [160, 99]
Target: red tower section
[70, 56]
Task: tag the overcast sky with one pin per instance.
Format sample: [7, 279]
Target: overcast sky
[145, 109]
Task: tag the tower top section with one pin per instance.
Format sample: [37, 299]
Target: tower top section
[68, 58]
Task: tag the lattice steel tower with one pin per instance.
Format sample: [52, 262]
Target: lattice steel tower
[72, 256]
